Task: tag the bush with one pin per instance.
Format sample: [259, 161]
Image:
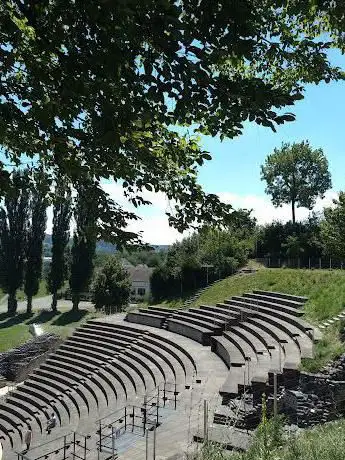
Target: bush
[111, 287]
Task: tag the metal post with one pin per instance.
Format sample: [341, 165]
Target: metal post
[280, 357]
[125, 418]
[85, 446]
[74, 445]
[275, 408]
[145, 413]
[244, 379]
[175, 395]
[320, 263]
[248, 368]
[133, 419]
[205, 420]
[100, 437]
[147, 445]
[112, 442]
[279, 262]
[164, 393]
[154, 443]
[64, 447]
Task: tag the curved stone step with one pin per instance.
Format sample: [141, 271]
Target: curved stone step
[66, 376]
[149, 319]
[230, 353]
[299, 323]
[270, 302]
[80, 354]
[302, 339]
[86, 371]
[201, 320]
[198, 333]
[281, 295]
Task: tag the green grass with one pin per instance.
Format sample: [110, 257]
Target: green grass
[15, 330]
[42, 291]
[325, 442]
[325, 290]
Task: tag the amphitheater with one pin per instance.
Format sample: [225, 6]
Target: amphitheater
[150, 383]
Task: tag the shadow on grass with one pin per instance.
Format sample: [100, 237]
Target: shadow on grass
[44, 316]
[69, 317]
[8, 321]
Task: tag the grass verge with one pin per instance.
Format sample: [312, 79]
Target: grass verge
[326, 442]
[15, 330]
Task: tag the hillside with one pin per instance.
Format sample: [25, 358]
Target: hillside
[325, 290]
[101, 246]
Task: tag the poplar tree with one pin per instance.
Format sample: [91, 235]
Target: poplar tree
[60, 238]
[36, 232]
[84, 242]
[14, 220]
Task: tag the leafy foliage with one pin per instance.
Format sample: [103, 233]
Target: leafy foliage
[60, 239]
[296, 174]
[84, 242]
[111, 287]
[14, 220]
[288, 240]
[333, 226]
[210, 65]
[35, 238]
[204, 256]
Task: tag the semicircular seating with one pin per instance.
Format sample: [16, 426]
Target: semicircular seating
[256, 334]
[101, 367]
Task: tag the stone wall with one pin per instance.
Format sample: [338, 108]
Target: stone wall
[16, 364]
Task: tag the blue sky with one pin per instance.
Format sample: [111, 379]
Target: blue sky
[234, 171]
[319, 118]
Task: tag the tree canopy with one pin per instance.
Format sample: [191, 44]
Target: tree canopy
[14, 222]
[60, 239]
[97, 89]
[296, 174]
[332, 227]
[84, 242]
[111, 286]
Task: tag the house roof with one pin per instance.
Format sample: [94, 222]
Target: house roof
[139, 273]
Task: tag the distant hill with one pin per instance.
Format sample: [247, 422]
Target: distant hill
[102, 246]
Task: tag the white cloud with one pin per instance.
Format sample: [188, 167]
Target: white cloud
[265, 212]
[154, 223]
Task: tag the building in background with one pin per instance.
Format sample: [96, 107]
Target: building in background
[140, 279]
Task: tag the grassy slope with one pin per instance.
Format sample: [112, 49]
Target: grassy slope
[15, 330]
[325, 442]
[325, 290]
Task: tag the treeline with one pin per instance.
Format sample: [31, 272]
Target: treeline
[288, 240]
[318, 236]
[22, 231]
[207, 255]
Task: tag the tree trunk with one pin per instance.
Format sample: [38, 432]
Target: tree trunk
[293, 211]
[75, 302]
[54, 302]
[12, 303]
[29, 305]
